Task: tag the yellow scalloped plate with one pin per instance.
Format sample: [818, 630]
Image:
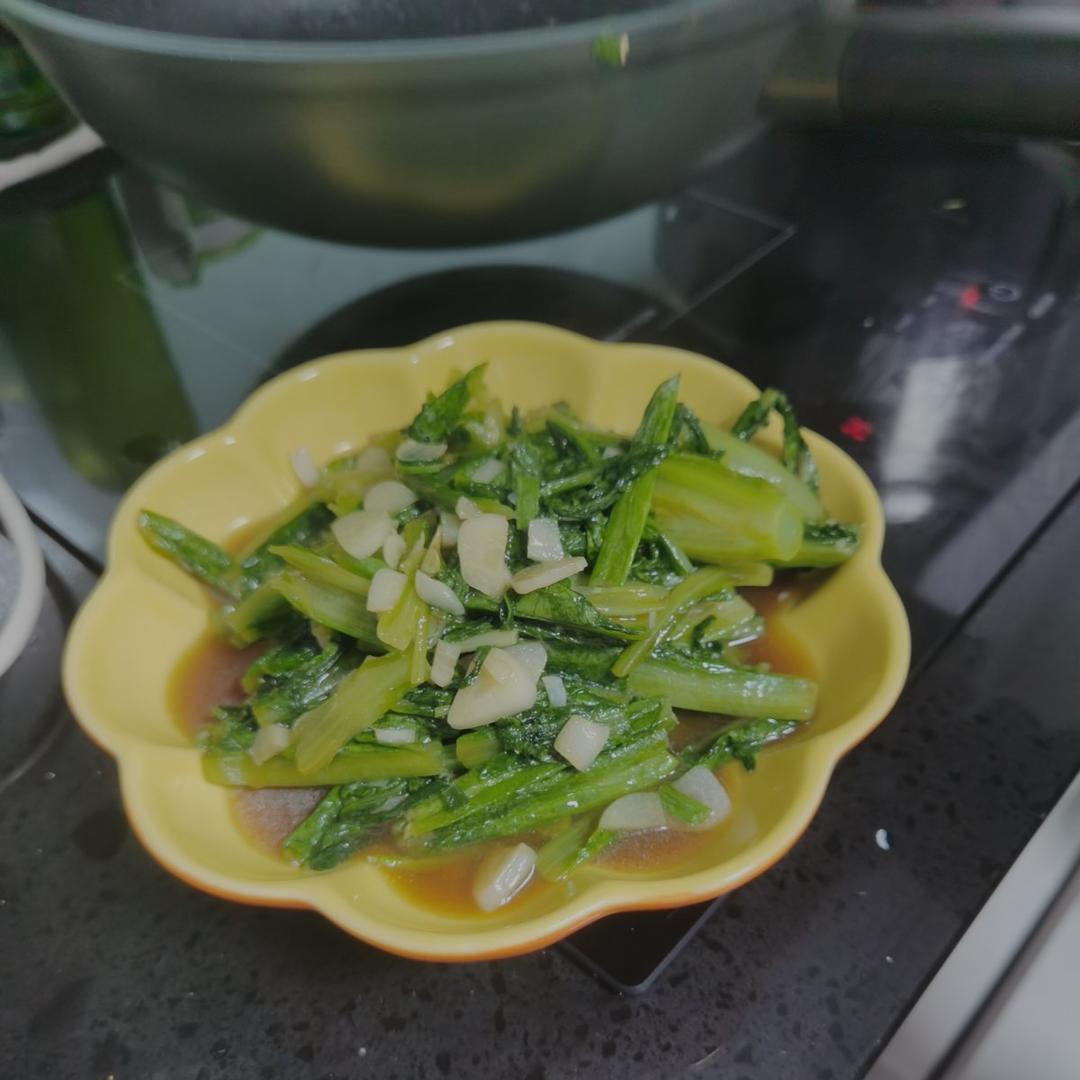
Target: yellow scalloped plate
[133, 631]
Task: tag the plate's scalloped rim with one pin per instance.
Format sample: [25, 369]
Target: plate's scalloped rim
[599, 898]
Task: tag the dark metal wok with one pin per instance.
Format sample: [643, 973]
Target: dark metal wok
[445, 122]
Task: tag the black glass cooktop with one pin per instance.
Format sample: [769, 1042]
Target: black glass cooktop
[917, 298]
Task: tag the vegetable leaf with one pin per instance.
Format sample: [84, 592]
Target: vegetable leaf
[304, 527]
[345, 819]
[439, 415]
[624, 528]
[796, 454]
[560, 604]
[525, 469]
[191, 552]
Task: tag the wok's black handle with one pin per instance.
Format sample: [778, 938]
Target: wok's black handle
[1013, 72]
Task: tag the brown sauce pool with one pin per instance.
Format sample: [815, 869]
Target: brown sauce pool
[210, 675]
[207, 677]
[448, 887]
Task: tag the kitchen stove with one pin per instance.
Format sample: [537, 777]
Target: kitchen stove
[918, 299]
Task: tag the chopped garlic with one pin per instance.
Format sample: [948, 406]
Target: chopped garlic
[411, 450]
[482, 553]
[392, 550]
[389, 495]
[362, 532]
[306, 470]
[541, 575]
[544, 543]
[386, 588]
[438, 594]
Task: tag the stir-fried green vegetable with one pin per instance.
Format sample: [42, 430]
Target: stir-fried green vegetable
[624, 528]
[478, 628]
[200, 557]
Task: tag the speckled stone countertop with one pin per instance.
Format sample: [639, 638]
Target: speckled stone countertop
[112, 968]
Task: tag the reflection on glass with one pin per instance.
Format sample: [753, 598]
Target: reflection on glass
[929, 403]
[89, 348]
[177, 235]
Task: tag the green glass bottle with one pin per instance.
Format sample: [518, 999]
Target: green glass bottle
[85, 338]
[31, 112]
